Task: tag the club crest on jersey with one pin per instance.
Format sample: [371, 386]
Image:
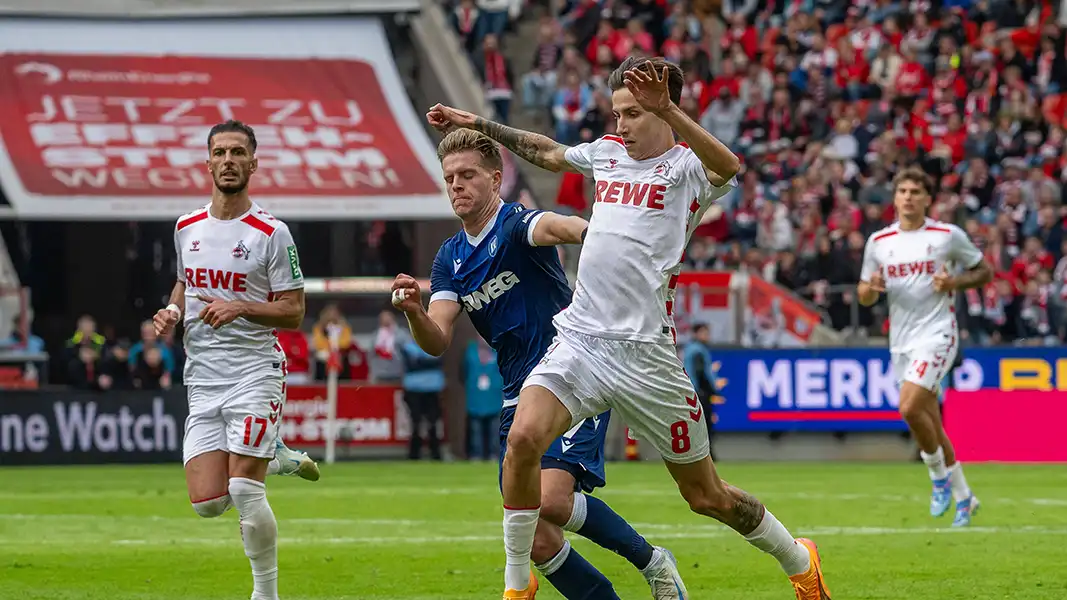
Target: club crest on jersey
[196, 246]
[612, 163]
[241, 251]
[664, 168]
[929, 250]
[492, 246]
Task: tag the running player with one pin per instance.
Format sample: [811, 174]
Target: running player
[614, 346]
[910, 261]
[239, 279]
[503, 270]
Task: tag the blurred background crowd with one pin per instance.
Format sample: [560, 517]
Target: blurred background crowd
[825, 100]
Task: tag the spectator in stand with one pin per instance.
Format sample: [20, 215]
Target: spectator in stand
[85, 335]
[150, 371]
[83, 369]
[387, 363]
[485, 397]
[149, 339]
[539, 85]
[297, 356]
[492, 18]
[495, 70]
[424, 380]
[465, 17]
[331, 333]
[573, 101]
[115, 370]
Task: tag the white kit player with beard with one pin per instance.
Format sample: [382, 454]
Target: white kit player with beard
[239, 280]
[910, 260]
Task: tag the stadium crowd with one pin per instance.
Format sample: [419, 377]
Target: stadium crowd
[825, 100]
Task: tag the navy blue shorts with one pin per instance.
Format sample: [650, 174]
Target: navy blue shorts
[580, 451]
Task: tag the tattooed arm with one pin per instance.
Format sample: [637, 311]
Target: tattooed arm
[534, 148]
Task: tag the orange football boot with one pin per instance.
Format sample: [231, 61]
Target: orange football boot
[810, 585]
[528, 594]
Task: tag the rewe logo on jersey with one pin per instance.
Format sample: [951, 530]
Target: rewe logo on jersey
[490, 290]
[626, 192]
[919, 267]
[216, 279]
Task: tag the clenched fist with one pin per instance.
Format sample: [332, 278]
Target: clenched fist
[407, 295]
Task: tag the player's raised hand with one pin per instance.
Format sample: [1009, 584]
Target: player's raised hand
[164, 321]
[943, 282]
[217, 313]
[407, 296]
[648, 87]
[445, 118]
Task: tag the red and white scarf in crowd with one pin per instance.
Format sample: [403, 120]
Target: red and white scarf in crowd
[385, 342]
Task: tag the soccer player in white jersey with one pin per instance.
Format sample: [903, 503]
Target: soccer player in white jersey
[615, 345]
[910, 261]
[239, 279]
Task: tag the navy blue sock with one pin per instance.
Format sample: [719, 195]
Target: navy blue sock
[576, 579]
[596, 522]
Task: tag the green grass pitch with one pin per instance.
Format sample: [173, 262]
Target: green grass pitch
[421, 531]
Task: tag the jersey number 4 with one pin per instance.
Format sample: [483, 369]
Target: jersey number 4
[259, 422]
[920, 367]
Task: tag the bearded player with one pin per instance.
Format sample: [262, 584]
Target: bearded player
[615, 345]
[503, 270]
[239, 279]
[910, 261]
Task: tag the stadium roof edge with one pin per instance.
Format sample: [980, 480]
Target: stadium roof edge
[142, 9]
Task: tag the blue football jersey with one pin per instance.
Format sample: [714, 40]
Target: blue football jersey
[509, 288]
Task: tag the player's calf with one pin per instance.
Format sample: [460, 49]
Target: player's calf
[570, 573]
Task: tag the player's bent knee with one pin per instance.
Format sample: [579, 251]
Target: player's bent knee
[524, 446]
[213, 507]
[912, 401]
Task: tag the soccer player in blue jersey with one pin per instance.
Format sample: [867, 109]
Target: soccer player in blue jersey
[503, 270]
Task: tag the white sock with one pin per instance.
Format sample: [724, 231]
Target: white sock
[773, 538]
[259, 532]
[519, 528]
[579, 510]
[556, 561]
[935, 463]
[960, 490]
[274, 466]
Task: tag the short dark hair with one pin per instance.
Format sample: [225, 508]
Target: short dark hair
[462, 140]
[916, 176]
[699, 327]
[233, 126]
[675, 77]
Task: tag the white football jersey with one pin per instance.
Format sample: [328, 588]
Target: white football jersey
[908, 260]
[247, 258]
[643, 214]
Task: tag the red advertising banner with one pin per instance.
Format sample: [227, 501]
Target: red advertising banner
[367, 415]
[110, 133]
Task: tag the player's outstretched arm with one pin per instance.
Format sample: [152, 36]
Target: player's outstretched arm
[651, 91]
[532, 147]
[430, 328]
[553, 229]
[285, 312]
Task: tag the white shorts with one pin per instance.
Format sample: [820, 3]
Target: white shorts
[643, 381]
[927, 364]
[241, 418]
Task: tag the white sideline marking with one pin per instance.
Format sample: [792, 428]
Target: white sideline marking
[677, 535]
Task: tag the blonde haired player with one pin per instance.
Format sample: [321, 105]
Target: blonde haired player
[910, 261]
[239, 279]
[615, 344]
